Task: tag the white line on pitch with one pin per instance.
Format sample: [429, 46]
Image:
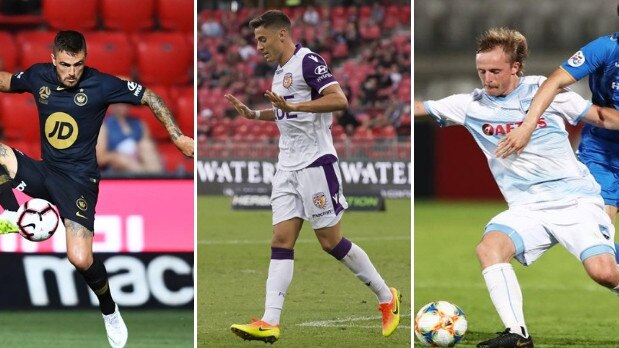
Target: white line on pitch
[339, 322]
[311, 240]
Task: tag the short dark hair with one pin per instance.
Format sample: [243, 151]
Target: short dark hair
[69, 41]
[271, 18]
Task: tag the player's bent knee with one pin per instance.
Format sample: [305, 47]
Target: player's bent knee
[603, 270]
[81, 261]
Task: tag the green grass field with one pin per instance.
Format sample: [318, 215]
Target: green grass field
[84, 328]
[562, 306]
[326, 305]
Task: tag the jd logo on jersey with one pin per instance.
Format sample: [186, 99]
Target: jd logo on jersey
[61, 130]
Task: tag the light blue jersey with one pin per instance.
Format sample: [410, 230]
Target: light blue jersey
[547, 170]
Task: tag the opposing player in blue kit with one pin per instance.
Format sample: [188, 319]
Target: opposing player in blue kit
[307, 184]
[552, 197]
[72, 99]
[599, 147]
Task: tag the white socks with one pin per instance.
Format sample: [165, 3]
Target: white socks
[359, 263]
[506, 295]
[280, 276]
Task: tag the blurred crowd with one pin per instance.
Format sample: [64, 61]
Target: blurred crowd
[367, 46]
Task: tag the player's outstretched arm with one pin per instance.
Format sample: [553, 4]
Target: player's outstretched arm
[603, 117]
[243, 110]
[517, 139]
[333, 99]
[5, 81]
[162, 112]
[418, 109]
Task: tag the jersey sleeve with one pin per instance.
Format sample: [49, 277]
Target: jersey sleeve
[571, 106]
[121, 91]
[449, 111]
[316, 73]
[22, 81]
[591, 57]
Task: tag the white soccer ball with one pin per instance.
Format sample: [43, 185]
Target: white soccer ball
[37, 220]
[440, 324]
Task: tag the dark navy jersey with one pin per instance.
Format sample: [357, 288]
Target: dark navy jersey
[70, 118]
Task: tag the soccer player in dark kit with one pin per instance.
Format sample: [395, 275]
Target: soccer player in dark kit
[72, 99]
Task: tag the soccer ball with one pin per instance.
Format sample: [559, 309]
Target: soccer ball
[440, 324]
[37, 220]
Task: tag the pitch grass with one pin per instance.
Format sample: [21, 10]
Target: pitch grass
[84, 328]
[562, 306]
[233, 258]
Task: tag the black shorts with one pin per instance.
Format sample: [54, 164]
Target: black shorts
[75, 200]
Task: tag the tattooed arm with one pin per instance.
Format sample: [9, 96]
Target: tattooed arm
[163, 114]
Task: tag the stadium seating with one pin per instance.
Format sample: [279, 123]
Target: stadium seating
[184, 115]
[164, 58]
[173, 160]
[176, 15]
[8, 53]
[34, 47]
[20, 119]
[110, 52]
[70, 14]
[128, 16]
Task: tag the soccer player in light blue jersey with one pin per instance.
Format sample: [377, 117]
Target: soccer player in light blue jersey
[599, 147]
[552, 197]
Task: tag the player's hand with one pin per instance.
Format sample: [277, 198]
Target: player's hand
[185, 145]
[279, 102]
[515, 141]
[241, 108]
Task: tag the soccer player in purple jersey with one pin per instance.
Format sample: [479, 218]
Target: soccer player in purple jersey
[72, 99]
[307, 185]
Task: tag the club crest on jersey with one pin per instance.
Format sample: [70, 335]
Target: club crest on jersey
[576, 60]
[287, 82]
[80, 98]
[44, 93]
[320, 200]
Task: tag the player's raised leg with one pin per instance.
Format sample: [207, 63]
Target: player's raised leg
[494, 252]
[281, 269]
[8, 167]
[79, 253]
[353, 257]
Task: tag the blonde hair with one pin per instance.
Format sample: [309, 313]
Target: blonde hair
[513, 43]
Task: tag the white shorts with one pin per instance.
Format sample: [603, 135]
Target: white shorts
[580, 225]
[313, 194]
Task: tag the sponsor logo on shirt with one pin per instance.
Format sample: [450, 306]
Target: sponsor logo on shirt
[576, 60]
[502, 129]
[134, 87]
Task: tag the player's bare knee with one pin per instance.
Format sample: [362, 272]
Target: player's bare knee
[603, 271]
[81, 261]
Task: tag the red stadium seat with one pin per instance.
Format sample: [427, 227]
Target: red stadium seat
[82, 14]
[176, 15]
[20, 119]
[8, 53]
[184, 115]
[110, 52]
[128, 16]
[164, 58]
[173, 160]
[35, 47]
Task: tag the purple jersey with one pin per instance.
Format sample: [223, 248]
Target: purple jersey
[305, 136]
